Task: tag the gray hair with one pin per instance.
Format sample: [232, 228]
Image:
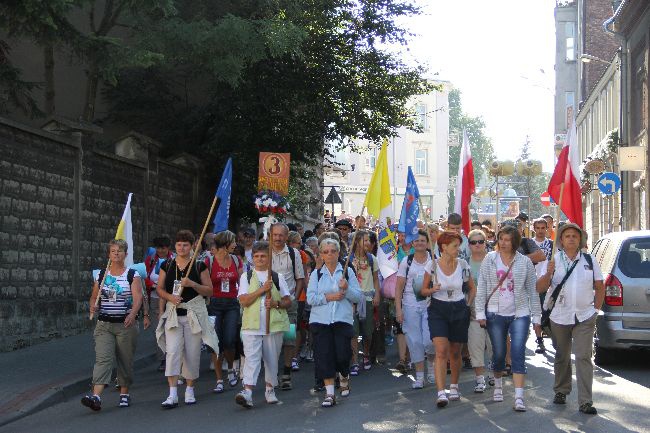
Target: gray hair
[331, 242]
[311, 240]
[121, 244]
[280, 224]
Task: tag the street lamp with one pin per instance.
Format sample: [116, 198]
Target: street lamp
[587, 58]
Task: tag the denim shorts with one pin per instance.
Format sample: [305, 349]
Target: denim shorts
[449, 320]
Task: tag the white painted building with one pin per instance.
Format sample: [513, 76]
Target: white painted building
[426, 152]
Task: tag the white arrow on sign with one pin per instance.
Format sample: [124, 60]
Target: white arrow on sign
[610, 182]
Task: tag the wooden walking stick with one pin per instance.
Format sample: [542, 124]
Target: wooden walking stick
[99, 292]
[215, 204]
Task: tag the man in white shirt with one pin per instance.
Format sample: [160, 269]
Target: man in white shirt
[288, 263]
[573, 316]
[546, 245]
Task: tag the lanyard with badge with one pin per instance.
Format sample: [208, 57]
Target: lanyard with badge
[568, 264]
[176, 291]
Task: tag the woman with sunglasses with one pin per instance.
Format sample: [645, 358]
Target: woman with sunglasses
[448, 312]
[478, 341]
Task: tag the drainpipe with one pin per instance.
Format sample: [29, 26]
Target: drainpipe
[624, 109]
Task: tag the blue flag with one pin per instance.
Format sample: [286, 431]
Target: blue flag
[408, 219]
[223, 192]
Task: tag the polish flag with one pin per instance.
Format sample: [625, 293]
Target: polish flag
[565, 176]
[465, 185]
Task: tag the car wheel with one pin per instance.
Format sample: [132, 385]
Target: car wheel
[605, 356]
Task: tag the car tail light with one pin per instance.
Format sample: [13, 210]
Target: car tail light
[613, 291]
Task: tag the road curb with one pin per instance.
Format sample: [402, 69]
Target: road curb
[72, 387]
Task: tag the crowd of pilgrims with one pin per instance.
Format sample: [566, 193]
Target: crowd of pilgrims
[458, 301]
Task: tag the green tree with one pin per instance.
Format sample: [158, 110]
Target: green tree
[480, 143]
[301, 74]
[14, 92]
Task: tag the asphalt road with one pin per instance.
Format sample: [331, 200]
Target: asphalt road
[381, 401]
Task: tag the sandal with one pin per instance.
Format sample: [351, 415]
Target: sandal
[233, 380]
[588, 408]
[218, 388]
[519, 405]
[367, 365]
[329, 401]
[454, 395]
[354, 370]
[442, 400]
[345, 387]
[294, 364]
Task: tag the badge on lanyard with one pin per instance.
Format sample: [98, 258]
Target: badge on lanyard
[225, 285]
[177, 288]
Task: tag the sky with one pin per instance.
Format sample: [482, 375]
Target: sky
[500, 54]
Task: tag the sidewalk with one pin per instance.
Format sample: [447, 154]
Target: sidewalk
[39, 376]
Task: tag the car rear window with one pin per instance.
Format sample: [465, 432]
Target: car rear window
[634, 260]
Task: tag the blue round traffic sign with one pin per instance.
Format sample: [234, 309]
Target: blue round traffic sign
[609, 183]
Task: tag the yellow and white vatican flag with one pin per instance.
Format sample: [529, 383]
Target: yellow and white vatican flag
[378, 203]
[125, 231]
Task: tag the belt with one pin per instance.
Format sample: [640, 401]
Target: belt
[111, 319]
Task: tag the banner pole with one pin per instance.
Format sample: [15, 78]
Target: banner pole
[354, 235]
[215, 203]
[557, 222]
[434, 272]
[99, 292]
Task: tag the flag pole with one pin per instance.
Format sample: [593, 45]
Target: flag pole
[557, 221]
[354, 235]
[215, 203]
[99, 292]
[434, 272]
[270, 278]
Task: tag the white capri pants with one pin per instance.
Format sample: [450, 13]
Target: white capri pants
[416, 331]
[258, 348]
[183, 348]
[478, 344]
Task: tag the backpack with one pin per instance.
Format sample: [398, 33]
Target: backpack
[233, 257]
[319, 274]
[292, 256]
[409, 261]
[274, 277]
[368, 257]
[524, 246]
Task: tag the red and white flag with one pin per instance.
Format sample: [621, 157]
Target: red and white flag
[465, 185]
[567, 172]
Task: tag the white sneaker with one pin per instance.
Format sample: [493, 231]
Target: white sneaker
[269, 394]
[189, 398]
[244, 398]
[498, 394]
[170, 403]
[418, 384]
[454, 395]
[480, 387]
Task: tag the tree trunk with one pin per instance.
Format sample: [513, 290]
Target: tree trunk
[91, 92]
[48, 60]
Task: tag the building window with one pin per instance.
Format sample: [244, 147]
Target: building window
[569, 35]
[421, 161]
[371, 159]
[421, 113]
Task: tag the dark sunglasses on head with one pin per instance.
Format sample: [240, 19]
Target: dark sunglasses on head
[480, 242]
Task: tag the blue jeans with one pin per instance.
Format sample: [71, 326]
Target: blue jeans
[226, 313]
[498, 328]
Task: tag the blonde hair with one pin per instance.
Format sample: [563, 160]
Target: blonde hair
[476, 232]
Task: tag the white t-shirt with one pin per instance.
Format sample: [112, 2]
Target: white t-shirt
[451, 286]
[506, 292]
[243, 290]
[416, 271]
[576, 299]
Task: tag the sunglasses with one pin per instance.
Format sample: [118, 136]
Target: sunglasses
[480, 242]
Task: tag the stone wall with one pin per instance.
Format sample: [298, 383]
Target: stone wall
[61, 200]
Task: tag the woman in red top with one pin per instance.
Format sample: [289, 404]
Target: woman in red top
[225, 270]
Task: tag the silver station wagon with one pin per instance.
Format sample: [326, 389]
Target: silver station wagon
[624, 258]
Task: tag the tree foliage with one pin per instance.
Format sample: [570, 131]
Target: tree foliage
[480, 143]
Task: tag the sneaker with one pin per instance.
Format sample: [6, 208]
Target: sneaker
[244, 398]
[467, 364]
[418, 384]
[480, 387]
[269, 394]
[540, 346]
[189, 398]
[354, 370]
[431, 378]
[125, 400]
[490, 380]
[310, 356]
[329, 401]
[367, 365]
[454, 394]
[588, 408]
[117, 384]
[92, 401]
[285, 382]
[294, 364]
[519, 405]
[233, 380]
[442, 400]
[170, 403]
[498, 394]
[180, 380]
[161, 367]
[560, 398]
